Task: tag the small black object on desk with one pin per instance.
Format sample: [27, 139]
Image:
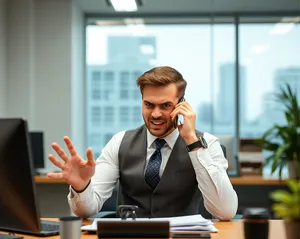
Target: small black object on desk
[256, 223]
[129, 227]
[127, 211]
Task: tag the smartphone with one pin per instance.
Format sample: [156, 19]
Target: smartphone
[197, 235]
[179, 117]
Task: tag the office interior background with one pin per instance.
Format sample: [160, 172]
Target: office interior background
[70, 66]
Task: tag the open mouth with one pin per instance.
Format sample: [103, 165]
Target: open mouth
[157, 123]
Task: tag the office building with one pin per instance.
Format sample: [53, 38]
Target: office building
[113, 98]
[226, 98]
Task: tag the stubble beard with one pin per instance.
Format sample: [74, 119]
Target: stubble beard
[165, 133]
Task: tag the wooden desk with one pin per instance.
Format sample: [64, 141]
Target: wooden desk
[243, 180]
[227, 230]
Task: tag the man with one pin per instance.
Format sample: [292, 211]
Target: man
[161, 167]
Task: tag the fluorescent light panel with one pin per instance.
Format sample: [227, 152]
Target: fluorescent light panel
[282, 28]
[124, 5]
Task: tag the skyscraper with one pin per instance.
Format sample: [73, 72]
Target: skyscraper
[282, 77]
[113, 98]
[289, 76]
[226, 97]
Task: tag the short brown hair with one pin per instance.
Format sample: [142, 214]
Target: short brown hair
[161, 76]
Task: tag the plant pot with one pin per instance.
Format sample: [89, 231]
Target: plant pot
[292, 229]
[294, 169]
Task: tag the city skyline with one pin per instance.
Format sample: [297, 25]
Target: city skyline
[115, 103]
[195, 63]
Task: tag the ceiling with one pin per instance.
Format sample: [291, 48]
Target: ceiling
[159, 7]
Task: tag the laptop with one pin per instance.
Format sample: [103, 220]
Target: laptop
[19, 211]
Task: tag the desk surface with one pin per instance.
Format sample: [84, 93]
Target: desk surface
[243, 180]
[227, 230]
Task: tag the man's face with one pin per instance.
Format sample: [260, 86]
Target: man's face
[157, 104]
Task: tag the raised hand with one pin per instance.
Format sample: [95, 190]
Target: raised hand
[75, 171]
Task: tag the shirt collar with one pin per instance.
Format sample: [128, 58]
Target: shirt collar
[170, 139]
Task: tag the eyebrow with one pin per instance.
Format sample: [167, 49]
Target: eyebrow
[167, 102]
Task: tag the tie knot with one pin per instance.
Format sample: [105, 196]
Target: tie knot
[159, 143]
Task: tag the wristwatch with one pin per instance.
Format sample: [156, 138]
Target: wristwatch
[200, 143]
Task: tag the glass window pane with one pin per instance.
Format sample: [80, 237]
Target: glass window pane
[271, 59]
[201, 51]
[270, 55]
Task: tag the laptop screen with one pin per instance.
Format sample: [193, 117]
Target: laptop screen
[18, 208]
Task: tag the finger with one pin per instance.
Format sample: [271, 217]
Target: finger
[70, 146]
[56, 162]
[184, 105]
[177, 111]
[90, 156]
[188, 106]
[55, 175]
[62, 154]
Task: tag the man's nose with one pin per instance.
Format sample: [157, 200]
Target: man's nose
[156, 112]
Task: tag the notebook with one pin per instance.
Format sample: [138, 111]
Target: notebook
[18, 203]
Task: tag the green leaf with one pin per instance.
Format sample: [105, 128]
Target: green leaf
[277, 156]
[282, 211]
[294, 185]
[282, 196]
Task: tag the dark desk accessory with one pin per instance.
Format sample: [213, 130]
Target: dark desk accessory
[127, 211]
[10, 236]
[133, 229]
[256, 223]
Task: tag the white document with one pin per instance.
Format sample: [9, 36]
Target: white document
[183, 223]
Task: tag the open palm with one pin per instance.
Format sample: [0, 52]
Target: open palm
[75, 171]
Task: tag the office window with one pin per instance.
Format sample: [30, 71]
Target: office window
[204, 53]
[124, 79]
[96, 85]
[271, 59]
[137, 115]
[136, 94]
[109, 115]
[124, 94]
[124, 115]
[96, 116]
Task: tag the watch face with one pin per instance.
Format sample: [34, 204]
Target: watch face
[203, 142]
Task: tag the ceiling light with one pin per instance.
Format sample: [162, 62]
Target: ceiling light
[124, 5]
[282, 28]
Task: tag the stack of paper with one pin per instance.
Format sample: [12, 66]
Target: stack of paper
[184, 223]
[189, 223]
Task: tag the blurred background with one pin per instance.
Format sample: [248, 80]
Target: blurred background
[70, 66]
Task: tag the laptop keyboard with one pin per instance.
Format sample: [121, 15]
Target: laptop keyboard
[49, 226]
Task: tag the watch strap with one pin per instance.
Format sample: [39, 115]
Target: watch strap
[193, 146]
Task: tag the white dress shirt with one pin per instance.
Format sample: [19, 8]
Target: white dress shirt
[209, 164]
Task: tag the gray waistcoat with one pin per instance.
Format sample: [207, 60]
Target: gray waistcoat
[177, 193]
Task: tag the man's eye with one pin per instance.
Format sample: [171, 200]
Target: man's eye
[166, 106]
[148, 104]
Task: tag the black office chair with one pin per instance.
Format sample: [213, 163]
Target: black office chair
[109, 208]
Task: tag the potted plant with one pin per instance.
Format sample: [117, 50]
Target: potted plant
[283, 141]
[287, 207]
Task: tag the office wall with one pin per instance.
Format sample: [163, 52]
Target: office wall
[43, 63]
[78, 84]
[3, 57]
